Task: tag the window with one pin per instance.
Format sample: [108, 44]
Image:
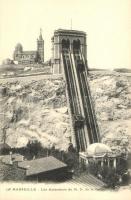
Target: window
[65, 44]
[76, 44]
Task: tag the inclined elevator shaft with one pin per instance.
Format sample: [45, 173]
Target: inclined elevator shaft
[69, 58]
[84, 121]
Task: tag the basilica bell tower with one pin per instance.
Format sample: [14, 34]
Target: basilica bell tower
[40, 47]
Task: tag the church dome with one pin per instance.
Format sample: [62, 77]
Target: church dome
[98, 149]
[19, 47]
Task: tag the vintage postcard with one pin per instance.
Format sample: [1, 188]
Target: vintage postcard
[65, 99]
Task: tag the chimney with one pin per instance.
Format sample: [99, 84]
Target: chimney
[22, 158]
[10, 159]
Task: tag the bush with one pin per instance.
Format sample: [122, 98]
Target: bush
[4, 151]
[110, 175]
[34, 147]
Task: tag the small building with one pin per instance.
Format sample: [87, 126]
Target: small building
[100, 154]
[47, 168]
[11, 158]
[8, 167]
[30, 57]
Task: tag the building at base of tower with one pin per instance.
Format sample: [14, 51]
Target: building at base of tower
[30, 57]
[66, 39]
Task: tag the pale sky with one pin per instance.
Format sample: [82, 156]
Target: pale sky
[106, 22]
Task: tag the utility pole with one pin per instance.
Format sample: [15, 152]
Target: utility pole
[71, 23]
[4, 129]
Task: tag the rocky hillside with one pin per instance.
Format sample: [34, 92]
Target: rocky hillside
[36, 108]
[111, 93]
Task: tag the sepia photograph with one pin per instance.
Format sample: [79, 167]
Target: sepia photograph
[65, 99]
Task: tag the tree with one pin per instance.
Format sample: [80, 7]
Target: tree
[7, 61]
[34, 147]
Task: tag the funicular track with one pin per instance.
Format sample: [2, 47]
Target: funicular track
[81, 106]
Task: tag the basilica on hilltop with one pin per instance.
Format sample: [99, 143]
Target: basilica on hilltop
[30, 57]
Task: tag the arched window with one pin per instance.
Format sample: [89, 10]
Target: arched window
[76, 44]
[65, 44]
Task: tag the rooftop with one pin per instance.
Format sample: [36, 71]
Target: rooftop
[41, 165]
[4, 146]
[98, 149]
[69, 32]
[29, 52]
[15, 157]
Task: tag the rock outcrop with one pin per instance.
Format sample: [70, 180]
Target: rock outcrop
[111, 94]
[34, 109]
[37, 108]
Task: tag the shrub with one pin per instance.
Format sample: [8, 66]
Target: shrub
[110, 175]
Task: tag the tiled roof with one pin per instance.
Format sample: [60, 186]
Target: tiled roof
[41, 165]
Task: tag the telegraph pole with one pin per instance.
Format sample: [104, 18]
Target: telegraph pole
[71, 23]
